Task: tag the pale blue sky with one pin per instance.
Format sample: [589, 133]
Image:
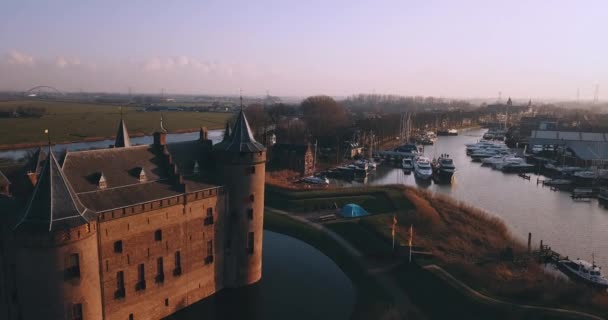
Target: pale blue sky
[442, 48]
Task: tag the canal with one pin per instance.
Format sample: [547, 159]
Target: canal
[574, 228]
[298, 282]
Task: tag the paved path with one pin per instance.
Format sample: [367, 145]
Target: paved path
[406, 308]
[461, 286]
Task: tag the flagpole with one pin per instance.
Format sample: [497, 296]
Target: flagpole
[393, 233]
[410, 242]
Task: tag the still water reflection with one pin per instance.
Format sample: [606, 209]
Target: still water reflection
[573, 228]
[298, 282]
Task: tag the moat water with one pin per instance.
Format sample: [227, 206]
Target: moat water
[577, 229]
[298, 282]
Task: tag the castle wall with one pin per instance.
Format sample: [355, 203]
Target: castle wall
[243, 175]
[183, 228]
[47, 287]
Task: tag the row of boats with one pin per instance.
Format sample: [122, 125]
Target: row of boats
[498, 156]
[441, 170]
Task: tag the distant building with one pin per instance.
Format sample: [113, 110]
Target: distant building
[581, 148]
[299, 158]
[133, 232]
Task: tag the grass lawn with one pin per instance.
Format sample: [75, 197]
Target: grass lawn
[459, 236]
[72, 121]
[372, 199]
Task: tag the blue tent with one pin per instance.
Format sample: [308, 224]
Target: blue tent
[352, 210]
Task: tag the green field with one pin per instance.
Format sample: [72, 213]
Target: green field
[72, 121]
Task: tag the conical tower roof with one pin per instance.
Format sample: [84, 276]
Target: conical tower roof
[240, 139]
[122, 136]
[54, 204]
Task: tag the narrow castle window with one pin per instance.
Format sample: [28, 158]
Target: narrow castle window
[131, 316]
[250, 213]
[209, 219]
[73, 266]
[120, 285]
[77, 311]
[209, 257]
[178, 264]
[141, 278]
[118, 246]
[160, 271]
[158, 235]
[250, 242]
[251, 197]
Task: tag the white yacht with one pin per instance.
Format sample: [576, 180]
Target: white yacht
[491, 161]
[407, 164]
[508, 161]
[585, 271]
[422, 168]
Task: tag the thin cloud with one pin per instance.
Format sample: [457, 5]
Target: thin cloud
[15, 57]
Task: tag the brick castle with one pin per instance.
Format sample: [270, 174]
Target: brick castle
[132, 231]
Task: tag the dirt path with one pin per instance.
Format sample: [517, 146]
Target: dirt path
[462, 287]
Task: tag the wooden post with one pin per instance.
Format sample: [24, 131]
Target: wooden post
[529, 242]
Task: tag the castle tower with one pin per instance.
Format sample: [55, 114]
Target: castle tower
[241, 165]
[56, 253]
[122, 136]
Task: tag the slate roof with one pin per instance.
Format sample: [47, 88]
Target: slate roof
[54, 204]
[120, 167]
[122, 136]
[241, 139]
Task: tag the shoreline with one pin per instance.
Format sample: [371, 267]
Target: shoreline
[29, 145]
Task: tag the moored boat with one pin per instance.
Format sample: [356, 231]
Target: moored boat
[443, 169]
[407, 164]
[584, 271]
[422, 168]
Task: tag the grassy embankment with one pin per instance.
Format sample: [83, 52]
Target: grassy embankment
[465, 241]
[71, 121]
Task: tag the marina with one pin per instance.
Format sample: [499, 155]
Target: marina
[574, 228]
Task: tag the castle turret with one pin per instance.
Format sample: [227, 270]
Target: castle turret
[241, 167]
[122, 136]
[56, 261]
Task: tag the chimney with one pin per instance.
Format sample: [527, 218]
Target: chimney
[160, 139]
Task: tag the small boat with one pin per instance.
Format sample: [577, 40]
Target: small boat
[517, 167]
[509, 161]
[316, 180]
[443, 132]
[443, 169]
[422, 168]
[584, 271]
[557, 182]
[491, 161]
[407, 164]
[452, 132]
